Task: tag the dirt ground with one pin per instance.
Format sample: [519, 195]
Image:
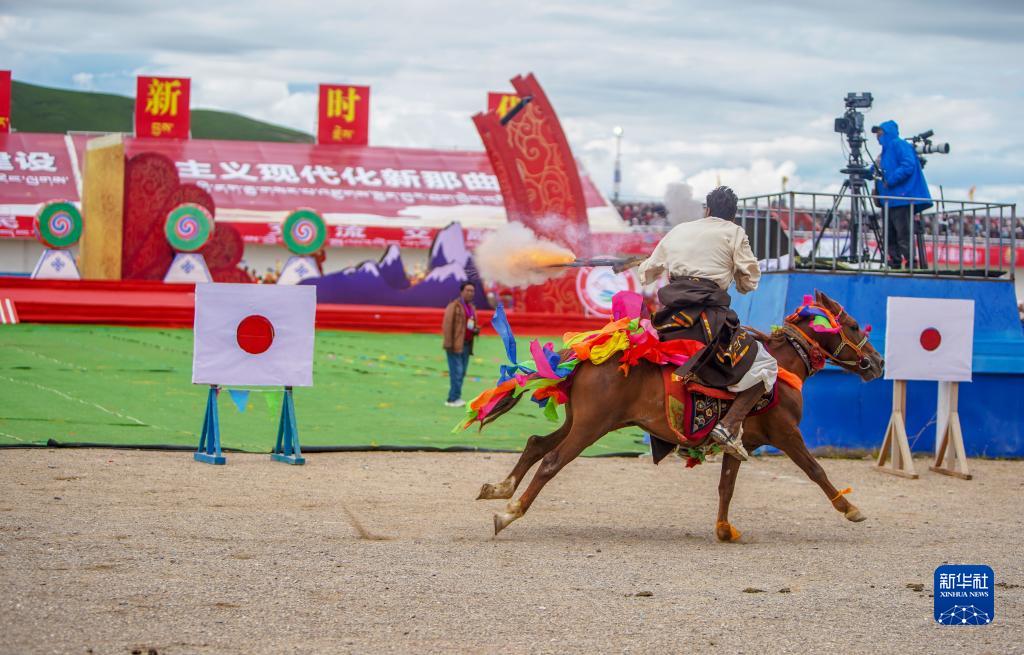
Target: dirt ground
[106, 551]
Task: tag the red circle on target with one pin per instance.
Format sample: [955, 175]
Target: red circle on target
[255, 334]
[930, 339]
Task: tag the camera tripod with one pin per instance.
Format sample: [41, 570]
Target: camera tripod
[862, 218]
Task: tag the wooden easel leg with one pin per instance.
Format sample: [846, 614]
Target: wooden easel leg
[896, 446]
[209, 451]
[287, 449]
[951, 451]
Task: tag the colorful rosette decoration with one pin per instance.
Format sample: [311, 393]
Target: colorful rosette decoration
[188, 227]
[304, 232]
[59, 224]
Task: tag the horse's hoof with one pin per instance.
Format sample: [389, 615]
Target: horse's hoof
[725, 532]
[502, 520]
[501, 491]
[855, 515]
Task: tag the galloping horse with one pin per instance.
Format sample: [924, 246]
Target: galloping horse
[602, 399]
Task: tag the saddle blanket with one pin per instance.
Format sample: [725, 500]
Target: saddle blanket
[693, 410]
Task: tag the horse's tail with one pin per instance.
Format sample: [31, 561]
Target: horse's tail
[504, 405]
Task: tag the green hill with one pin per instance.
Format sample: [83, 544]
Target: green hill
[42, 109]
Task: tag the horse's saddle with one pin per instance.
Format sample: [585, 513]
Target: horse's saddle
[692, 410]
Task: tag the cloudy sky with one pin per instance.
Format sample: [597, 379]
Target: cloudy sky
[744, 92]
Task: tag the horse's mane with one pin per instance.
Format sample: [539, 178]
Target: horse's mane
[775, 338]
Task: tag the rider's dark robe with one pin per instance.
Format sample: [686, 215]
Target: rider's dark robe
[698, 309]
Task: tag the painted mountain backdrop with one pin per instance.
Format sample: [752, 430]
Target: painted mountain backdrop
[385, 282]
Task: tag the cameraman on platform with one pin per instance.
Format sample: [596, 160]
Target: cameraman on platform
[898, 173]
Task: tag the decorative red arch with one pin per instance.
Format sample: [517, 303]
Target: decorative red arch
[538, 175]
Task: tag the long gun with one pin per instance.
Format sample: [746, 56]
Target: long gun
[618, 264]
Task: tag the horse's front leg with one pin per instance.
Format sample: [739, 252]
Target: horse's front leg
[581, 435]
[793, 445]
[726, 484]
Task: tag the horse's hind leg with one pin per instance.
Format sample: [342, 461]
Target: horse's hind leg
[536, 447]
[793, 445]
[578, 438]
[726, 484]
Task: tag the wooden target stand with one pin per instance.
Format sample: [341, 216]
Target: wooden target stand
[287, 448]
[950, 455]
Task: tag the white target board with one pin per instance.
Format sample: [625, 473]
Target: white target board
[929, 339]
[254, 335]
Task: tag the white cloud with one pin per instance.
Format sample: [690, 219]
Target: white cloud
[652, 177]
[762, 176]
[84, 81]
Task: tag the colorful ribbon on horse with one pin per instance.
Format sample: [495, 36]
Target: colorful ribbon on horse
[542, 374]
[822, 320]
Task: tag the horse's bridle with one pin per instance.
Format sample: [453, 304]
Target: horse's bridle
[860, 359]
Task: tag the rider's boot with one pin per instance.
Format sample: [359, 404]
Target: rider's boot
[727, 432]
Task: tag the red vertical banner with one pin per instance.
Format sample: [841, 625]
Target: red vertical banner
[343, 114]
[5, 102]
[162, 107]
[502, 103]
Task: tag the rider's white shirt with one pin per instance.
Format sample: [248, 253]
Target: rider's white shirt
[711, 248]
[718, 250]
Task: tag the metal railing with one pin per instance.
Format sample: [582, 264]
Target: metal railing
[882, 234]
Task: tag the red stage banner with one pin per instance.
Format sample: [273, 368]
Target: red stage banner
[278, 177]
[5, 102]
[35, 168]
[334, 180]
[501, 103]
[343, 115]
[162, 107]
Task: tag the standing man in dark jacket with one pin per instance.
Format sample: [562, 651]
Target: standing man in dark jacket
[899, 174]
[459, 328]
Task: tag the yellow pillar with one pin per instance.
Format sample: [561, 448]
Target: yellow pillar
[102, 208]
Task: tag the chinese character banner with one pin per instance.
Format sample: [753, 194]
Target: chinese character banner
[343, 115]
[162, 107]
[349, 180]
[5, 102]
[34, 169]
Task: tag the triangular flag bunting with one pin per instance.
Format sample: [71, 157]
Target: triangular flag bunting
[274, 400]
[241, 398]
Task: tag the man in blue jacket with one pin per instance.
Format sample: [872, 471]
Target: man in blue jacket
[898, 174]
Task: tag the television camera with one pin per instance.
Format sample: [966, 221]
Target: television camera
[923, 145]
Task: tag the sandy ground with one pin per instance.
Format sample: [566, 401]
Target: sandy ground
[105, 551]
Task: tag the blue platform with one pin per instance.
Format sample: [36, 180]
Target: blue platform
[842, 411]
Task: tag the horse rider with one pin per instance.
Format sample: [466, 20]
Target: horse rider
[703, 258]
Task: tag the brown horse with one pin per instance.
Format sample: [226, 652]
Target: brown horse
[602, 399]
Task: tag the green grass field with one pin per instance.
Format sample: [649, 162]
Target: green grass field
[132, 386]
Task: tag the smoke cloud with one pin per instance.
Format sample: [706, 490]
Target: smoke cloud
[680, 204]
[514, 256]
